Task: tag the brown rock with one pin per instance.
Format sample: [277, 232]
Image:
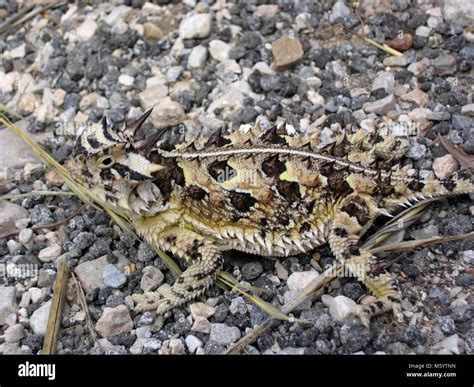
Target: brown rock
[114, 321]
[445, 166]
[286, 52]
[152, 31]
[402, 42]
[417, 96]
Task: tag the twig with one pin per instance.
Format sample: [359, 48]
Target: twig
[12, 19]
[409, 245]
[56, 311]
[308, 292]
[36, 193]
[51, 225]
[11, 24]
[83, 302]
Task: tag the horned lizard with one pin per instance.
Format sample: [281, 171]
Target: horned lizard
[261, 192]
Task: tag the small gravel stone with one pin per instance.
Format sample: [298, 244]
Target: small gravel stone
[196, 26]
[447, 325]
[126, 80]
[9, 212]
[145, 253]
[113, 277]
[381, 106]
[238, 306]
[286, 52]
[152, 31]
[252, 270]
[14, 333]
[201, 325]
[197, 57]
[193, 343]
[152, 279]
[396, 61]
[354, 337]
[445, 64]
[84, 239]
[299, 280]
[416, 151]
[49, 254]
[468, 110]
[339, 11]
[25, 236]
[219, 50]
[340, 307]
[223, 334]
[385, 81]
[200, 309]
[417, 96]
[445, 166]
[39, 319]
[7, 302]
[114, 321]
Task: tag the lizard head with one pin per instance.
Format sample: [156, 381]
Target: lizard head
[114, 167]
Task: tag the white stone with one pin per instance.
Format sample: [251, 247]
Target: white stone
[196, 26]
[152, 95]
[18, 52]
[197, 57]
[49, 253]
[266, 10]
[86, 29]
[8, 81]
[315, 98]
[14, 333]
[423, 31]
[126, 80]
[299, 280]
[340, 307]
[200, 309]
[36, 294]
[219, 50]
[39, 319]
[7, 302]
[193, 343]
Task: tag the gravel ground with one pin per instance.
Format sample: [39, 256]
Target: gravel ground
[223, 65]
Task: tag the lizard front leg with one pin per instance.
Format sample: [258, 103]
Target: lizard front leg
[204, 259]
[350, 218]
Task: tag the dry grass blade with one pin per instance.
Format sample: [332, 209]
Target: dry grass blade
[308, 292]
[83, 302]
[265, 306]
[56, 311]
[36, 193]
[410, 245]
[15, 22]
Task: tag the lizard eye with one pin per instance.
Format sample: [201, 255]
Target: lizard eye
[106, 162]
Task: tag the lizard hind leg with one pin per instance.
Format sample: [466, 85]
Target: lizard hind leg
[205, 261]
[349, 221]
